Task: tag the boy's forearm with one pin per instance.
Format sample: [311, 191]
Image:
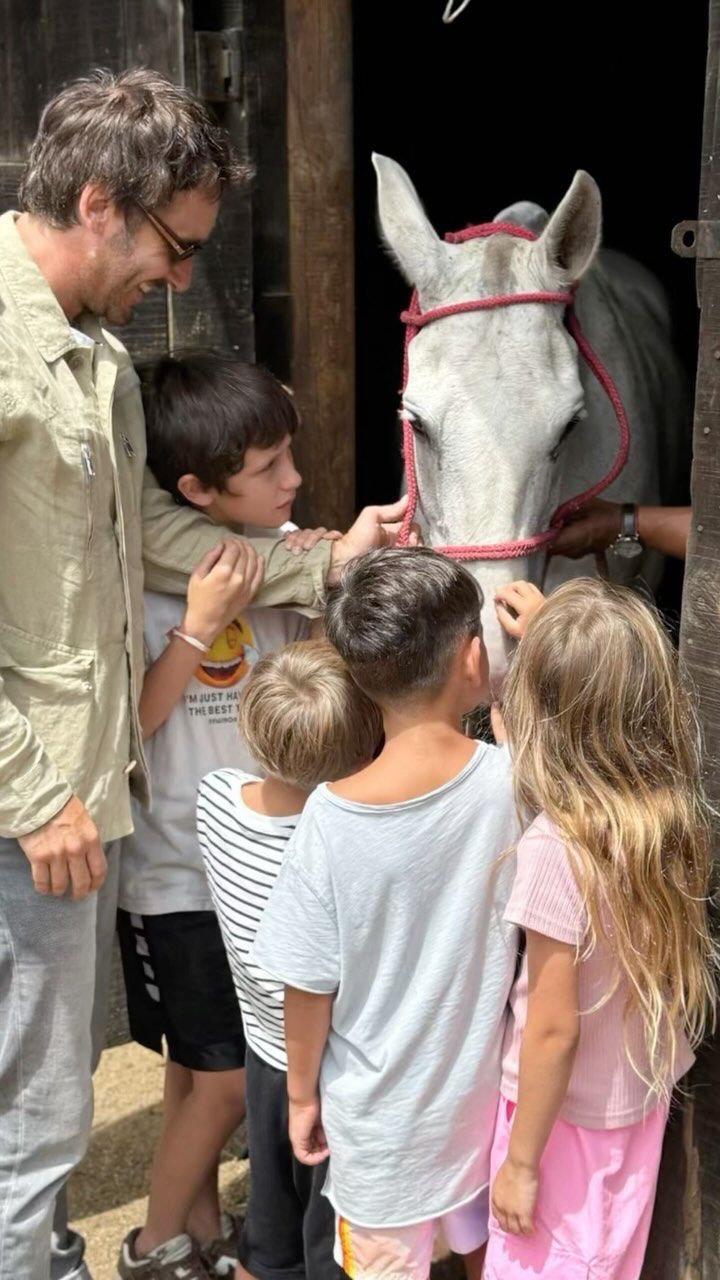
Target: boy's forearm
[307, 1024]
[165, 683]
[546, 1063]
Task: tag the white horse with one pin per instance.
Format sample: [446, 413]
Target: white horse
[507, 421]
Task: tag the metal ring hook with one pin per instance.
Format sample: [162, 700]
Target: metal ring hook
[450, 15]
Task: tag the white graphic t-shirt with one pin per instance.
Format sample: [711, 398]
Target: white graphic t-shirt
[161, 867]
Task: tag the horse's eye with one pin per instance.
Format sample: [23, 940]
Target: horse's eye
[555, 453]
[418, 426]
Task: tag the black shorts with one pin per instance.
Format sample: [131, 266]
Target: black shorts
[178, 986]
[289, 1227]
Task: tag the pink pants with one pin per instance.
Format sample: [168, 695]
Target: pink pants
[595, 1202]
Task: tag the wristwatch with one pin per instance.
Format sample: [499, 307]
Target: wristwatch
[627, 545]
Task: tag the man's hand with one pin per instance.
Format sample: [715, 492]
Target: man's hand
[591, 530]
[305, 539]
[66, 851]
[375, 527]
[221, 584]
[307, 1136]
[524, 600]
[513, 1197]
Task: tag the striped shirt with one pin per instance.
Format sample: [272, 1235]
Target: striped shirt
[243, 851]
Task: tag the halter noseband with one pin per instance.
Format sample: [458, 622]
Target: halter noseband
[414, 319]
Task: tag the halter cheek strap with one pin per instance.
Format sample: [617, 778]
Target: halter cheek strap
[414, 319]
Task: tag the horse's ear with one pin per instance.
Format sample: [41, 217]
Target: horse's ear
[572, 237]
[408, 234]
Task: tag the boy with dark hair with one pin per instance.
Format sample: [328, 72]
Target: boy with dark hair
[386, 926]
[219, 438]
[207, 409]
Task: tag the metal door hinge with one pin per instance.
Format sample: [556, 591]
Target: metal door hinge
[696, 239]
[219, 65]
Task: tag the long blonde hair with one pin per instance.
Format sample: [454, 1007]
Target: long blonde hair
[605, 741]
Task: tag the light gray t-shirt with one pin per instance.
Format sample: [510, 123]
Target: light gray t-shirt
[399, 908]
[161, 868]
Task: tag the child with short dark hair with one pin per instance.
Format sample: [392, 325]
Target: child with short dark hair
[209, 418]
[219, 437]
[385, 925]
[305, 720]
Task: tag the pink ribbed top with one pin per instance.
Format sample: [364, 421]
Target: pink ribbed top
[605, 1092]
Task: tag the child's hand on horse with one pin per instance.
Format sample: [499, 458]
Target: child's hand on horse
[375, 527]
[515, 605]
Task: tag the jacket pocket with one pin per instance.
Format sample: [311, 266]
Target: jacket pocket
[54, 688]
[67, 500]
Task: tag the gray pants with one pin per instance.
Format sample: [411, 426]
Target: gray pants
[50, 951]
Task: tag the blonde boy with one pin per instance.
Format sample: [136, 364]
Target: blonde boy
[304, 720]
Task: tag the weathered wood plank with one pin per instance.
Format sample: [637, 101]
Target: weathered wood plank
[10, 175]
[667, 1246]
[216, 311]
[43, 46]
[686, 1245]
[319, 78]
[146, 337]
[153, 36]
[267, 113]
[60, 43]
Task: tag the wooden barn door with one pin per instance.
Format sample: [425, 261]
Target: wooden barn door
[43, 45]
[276, 280]
[685, 1239]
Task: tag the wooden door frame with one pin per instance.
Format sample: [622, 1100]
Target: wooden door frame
[685, 1237]
[318, 36]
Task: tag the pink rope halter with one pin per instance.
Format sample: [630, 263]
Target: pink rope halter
[415, 319]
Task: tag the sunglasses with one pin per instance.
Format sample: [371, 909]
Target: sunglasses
[183, 249]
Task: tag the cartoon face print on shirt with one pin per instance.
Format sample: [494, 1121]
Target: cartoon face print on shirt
[230, 657]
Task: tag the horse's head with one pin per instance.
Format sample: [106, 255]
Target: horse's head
[492, 395]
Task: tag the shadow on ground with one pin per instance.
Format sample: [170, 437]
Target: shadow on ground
[116, 1169]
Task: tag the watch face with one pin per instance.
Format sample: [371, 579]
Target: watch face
[627, 548]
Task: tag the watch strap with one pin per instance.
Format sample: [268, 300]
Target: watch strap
[628, 521]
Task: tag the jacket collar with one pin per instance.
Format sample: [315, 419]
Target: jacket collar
[41, 312]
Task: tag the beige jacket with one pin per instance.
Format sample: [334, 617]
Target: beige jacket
[83, 528]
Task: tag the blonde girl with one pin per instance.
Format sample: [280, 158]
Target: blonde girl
[618, 978]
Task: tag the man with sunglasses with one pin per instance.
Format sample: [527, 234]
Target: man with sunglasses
[121, 188]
